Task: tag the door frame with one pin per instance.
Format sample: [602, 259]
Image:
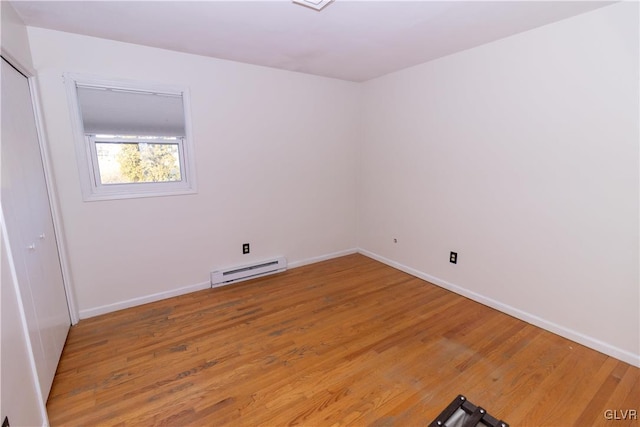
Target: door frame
[43, 145]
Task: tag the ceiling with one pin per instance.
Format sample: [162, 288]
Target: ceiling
[350, 39]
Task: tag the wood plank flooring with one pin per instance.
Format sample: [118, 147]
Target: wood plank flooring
[348, 341]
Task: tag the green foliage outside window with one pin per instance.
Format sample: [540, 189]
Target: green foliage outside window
[138, 162]
[149, 162]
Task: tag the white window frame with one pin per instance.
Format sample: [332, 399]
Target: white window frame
[86, 155]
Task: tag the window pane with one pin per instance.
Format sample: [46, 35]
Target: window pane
[129, 162]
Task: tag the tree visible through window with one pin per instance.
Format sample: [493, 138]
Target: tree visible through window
[126, 160]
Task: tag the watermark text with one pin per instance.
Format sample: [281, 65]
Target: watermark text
[620, 414]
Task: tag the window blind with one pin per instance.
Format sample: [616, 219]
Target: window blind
[124, 112]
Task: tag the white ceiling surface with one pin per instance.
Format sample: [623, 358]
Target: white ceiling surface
[349, 40]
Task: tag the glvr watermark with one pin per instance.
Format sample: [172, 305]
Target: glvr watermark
[620, 414]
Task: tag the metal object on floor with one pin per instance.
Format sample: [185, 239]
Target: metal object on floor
[462, 413]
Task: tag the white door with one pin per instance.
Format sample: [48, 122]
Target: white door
[25, 204]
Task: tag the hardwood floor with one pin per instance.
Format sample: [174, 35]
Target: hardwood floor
[346, 341]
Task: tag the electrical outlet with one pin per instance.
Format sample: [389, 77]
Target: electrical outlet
[245, 248]
[453, 257]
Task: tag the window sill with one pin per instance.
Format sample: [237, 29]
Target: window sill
[102, 196]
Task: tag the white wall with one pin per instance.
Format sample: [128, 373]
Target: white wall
[274, 155]
[19, 398]
[15, 42]
[522, 156]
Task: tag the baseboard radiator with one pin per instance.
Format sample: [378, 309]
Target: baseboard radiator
[246, 272]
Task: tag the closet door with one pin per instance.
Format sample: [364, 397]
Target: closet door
[25, 205]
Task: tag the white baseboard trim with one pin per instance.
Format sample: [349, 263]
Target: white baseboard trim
[593, 343]
[313, 260]
[104, 309]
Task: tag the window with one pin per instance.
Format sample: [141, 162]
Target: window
[132, 139]
[128, 159]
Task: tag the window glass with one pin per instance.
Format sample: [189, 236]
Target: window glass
[128, 160]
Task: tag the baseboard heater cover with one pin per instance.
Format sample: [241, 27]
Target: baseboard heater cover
[249, 271]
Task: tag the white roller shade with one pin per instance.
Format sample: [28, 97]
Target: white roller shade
[124, 112]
